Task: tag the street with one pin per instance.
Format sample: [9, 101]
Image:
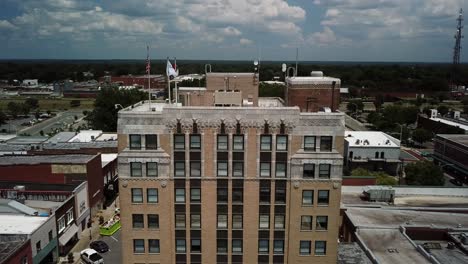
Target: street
[59, 121]
[113, 256]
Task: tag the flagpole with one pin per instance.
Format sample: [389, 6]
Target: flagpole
[175, 82]
[149, 79]
[168, 83]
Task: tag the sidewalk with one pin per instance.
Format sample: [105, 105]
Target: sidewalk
[94, 231]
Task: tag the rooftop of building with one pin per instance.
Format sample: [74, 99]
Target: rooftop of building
[107, 158]
[298, 80]
[80, 145]
[20, 224]
[45, 159]
[352, 253]
[451, 123]
[61, 137]
[27, 140]
[6, 137]
[107, 137]
[9, 244]
[439, 250]
[230, 74]
[370, 139]
[8, 206]
[86, 136]
[460, 139]
[42, 187]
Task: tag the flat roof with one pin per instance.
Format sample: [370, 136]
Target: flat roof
[370, 139]
[451, 123]
[20, 224]
[107, 137]
[6, 137]
[312, 80]
[39, 186]
[80, 145]
[352, 253]
[106, 158]
[45, 159]
[230, 74]
[61, 137]
[86, 136]
[457, 138]
[27, 140]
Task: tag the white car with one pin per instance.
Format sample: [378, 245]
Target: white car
[90, 256]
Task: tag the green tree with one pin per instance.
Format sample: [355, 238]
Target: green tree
[75, 103]
[32, 102]
[14, 109]
[351, 106]
[104, 115]
[424, 173]
[2, 118]
[382, 178]
[271, 90]
[360, 172]
[421, 135]
[443, 110]
[24, 109]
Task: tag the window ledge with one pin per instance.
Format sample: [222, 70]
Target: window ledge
[320, 255]
[138, 253]
[306, 230]
[321, 230]
[154, 253]
[305, 255]
[323, 205]
[307, 205]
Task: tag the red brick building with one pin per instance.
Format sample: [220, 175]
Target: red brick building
[15, 249]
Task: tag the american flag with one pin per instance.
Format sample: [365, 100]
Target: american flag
[148, 65]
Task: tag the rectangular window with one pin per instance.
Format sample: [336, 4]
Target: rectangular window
[280, 170]
[264, 222]
[137, 220]
[280, 194]
[265, 143]
[323, 197]
[263, 246]
[50, 235]
[306, 222]
[180, 245]
[264, 194]
[137, 195]
[222, 195]
[222, 169]
[180, 195]
[135, 169]
[135, 141]
[307, 197]
[322, 223]
[195, 221]
[309, 170]
[222, 221]
[195, 246]
[153, 221]
[70, 216]
[221, 245]
[38, 246]
[265, 168]
[153, 245]
[304, 247]
[61, 224]
[281, 143]
[195, 195]
[195, 142]
[152, 195]
[324, 171]
[237, 169]
[237, 195]
[138, 246]
[238, 142]
[320, 248]
[179, 168]
[151, 141]
[180, 220]
[236, 246]
[326, 143]
[278, 246]
[179, 141]
[309, 143]
[279, 221]
[236, 221]
[222, 142]
[195, 169]
[151, 169]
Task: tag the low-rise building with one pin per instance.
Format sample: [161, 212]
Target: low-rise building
[372, 150]
[451, 151]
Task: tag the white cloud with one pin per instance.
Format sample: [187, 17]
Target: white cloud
[244, 41]
[4, 24]
[231, 31]
[327, 36]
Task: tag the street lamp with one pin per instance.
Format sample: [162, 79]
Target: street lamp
[401, 133]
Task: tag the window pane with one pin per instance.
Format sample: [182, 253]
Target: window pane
[307, 197]
[320, 247]
[137, 220]
[304, 247]
[221, 245]
[309, 143]
[153, 245]
[195, 221]
[237, 246]
[322, 223]
[179, 168]
[180, 195]
[265, 142]
[195, 142]
[325, 143]
[237, 221]
[195, 195]
[280, 194]
[180, 245]
[138, 246]
[137, 195]
[222, 195]
[265, 194]
[278, 246]
[237, 195]
[195, 169]
[153, 221]
[152, 195]
[151, 169]
[151, 142]
[309, 170]
[135, 169]
[265, 169]
[238, 169]
[282, 143]
[222, 142]
[180, 220]
[222, 169]
[222, 221]
[324, 171]
[238, 142]
[135, 141]
[264, 222]
[323, 197]
[280, 170]
[263, 245]
[196, 245]
[279, 221]
[306, 222]
[179, 142]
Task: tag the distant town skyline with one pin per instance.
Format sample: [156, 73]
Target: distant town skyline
[323, 30]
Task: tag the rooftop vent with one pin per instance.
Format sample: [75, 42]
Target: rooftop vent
[316, 74]
[358, 142]
[366, 142]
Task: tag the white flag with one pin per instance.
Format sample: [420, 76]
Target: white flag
[171, 73]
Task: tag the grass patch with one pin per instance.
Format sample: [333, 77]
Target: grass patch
[52, 104]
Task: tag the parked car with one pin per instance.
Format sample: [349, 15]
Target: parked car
[90, 256]
[456, 182]
[99, 245]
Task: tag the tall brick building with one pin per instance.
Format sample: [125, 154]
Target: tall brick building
[213, 184]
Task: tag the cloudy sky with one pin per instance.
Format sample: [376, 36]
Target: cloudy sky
[323, 30]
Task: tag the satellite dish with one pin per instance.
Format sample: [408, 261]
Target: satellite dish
[256, 62]
[283, 67]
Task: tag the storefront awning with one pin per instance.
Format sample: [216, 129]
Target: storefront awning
[68, 234]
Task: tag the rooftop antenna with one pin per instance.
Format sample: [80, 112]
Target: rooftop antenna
[297, 58]
[458, 37]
